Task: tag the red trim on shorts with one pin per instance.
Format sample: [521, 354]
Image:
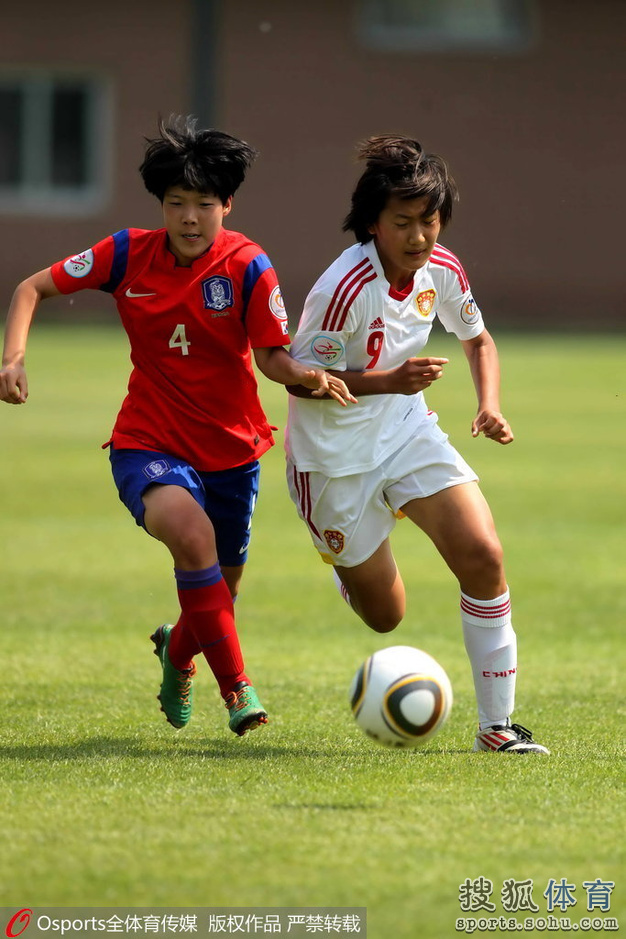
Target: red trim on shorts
[303, 489]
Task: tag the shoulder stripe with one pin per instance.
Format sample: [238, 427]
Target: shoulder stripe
[445, 258]
[361, 265]
[121, 241]
[255, 268]
[441, 249]
[350, 300]
[343, 290]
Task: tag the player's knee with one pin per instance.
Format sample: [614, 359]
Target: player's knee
[382, 607]
[483, 559]
[383, 621]
[382, 627]
[193, 548]
[491, 555]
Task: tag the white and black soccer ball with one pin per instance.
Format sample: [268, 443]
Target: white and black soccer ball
[401, 696]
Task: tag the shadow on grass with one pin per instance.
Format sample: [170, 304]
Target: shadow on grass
[327, 806]
[113, 748]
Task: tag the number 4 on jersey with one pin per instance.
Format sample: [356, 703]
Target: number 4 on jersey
[178, 339]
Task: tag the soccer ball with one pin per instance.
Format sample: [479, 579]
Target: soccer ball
[401, 696]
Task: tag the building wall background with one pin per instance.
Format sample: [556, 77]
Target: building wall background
[534, 139]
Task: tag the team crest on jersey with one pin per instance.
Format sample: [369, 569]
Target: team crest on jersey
[470, 311]
[156, 468]
[326, 349]
[277, 304]
[218, 293]
[80, 264]
[425, 301]
[335, 540]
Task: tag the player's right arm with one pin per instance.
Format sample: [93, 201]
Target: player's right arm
[416, 374]
[326, 330]
[24, 303]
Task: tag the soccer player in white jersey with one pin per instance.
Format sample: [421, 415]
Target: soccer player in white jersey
[352, 471]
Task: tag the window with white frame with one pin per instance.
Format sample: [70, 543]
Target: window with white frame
[445, 25]
[54, 142]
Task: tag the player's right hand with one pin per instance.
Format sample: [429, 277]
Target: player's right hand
[415, 375]
[13, 384]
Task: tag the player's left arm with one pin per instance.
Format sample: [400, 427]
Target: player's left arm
[26, 299]
[277, 365]
[266, 317]
[482, 356]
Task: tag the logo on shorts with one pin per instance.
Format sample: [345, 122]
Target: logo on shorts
[327, 350]
[218, 293]
[425, 301]
[80, 264]
[156, 468]
[470, 311]
[335, 540]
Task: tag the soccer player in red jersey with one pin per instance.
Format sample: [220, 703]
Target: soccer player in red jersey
[197, 302]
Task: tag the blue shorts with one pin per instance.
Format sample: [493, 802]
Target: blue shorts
[227, 496]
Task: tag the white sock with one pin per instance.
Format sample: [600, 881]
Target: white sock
[340, 587]
[491, 645]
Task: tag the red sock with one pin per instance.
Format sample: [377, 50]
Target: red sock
[209, 616]
[183, 645]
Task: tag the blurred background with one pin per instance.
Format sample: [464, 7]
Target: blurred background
[522, 97]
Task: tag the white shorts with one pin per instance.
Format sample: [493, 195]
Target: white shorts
[349, 517]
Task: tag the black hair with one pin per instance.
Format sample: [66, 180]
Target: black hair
[398, 166]
[207, 161]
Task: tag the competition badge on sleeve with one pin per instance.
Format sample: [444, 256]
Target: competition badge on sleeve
[470, 311]
[277, 306]
[326, 349]
[80, 264]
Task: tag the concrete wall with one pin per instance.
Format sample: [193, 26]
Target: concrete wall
[535, 139]
[142, 56]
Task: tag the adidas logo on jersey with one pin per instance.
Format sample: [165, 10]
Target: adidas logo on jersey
[378, 323]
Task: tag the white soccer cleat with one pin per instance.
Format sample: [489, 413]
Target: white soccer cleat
[508, 738]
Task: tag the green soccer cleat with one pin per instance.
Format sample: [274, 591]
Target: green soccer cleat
[176, 694]
[245, 710]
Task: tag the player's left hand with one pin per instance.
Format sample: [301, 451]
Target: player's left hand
[493, 425]
[323, 383]
[13, 384]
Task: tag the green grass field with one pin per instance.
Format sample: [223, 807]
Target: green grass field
[103, 804]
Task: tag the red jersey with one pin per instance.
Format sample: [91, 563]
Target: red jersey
[192, 391]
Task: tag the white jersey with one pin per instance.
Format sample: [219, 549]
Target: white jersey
[352, 322]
